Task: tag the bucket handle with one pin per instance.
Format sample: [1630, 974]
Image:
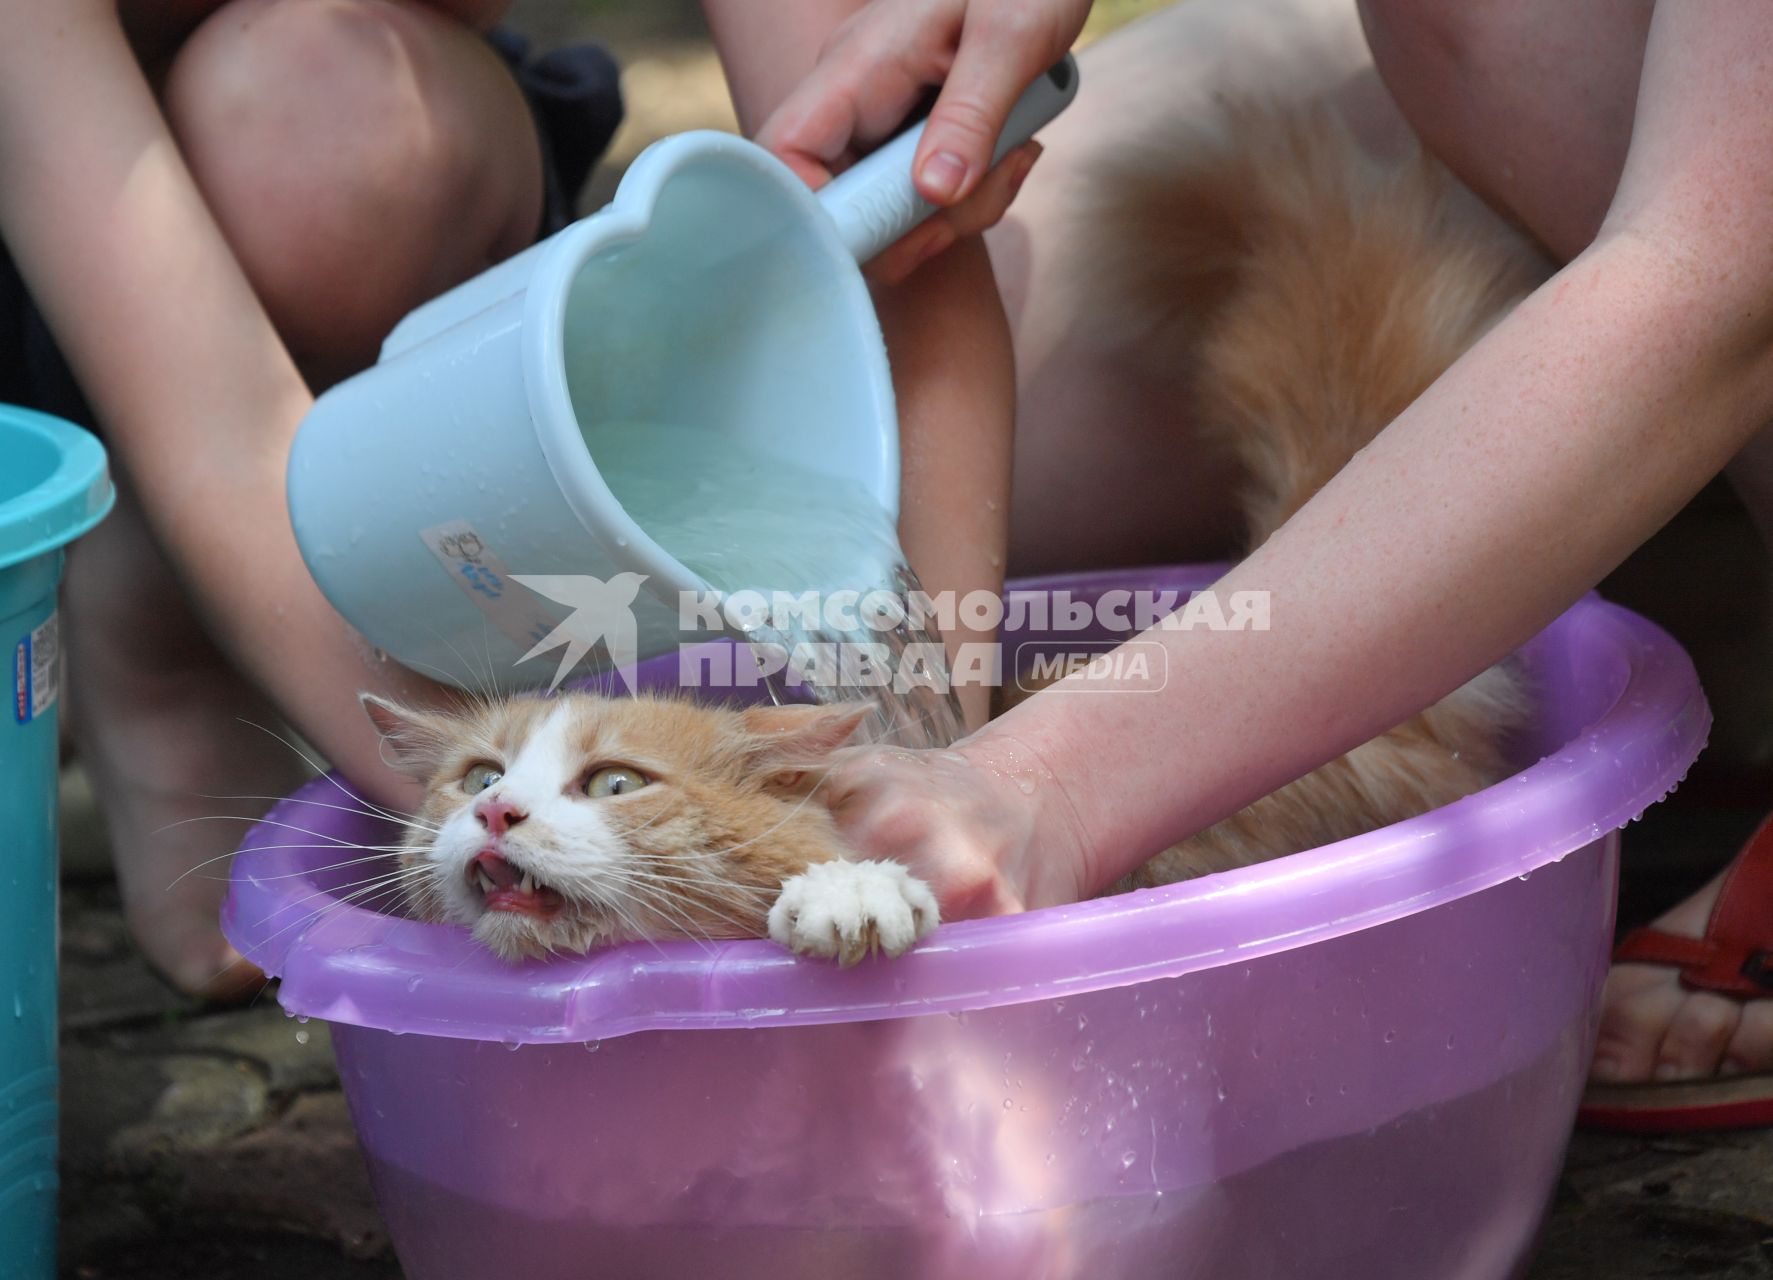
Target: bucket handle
[875, 202]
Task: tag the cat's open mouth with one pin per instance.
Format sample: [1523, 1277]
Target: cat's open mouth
[504, 886]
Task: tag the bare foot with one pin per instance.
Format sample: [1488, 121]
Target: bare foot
[154, 765]
[1654, 1029]
[162, 722]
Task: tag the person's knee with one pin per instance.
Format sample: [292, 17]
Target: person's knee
[360, 155]
[1420, 47]
[1531, 105]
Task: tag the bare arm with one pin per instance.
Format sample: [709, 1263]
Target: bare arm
[1543, 457]
[1534, 465]
[198, 396]
[946, 331]
[766, 57]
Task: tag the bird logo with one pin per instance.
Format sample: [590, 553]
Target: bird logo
[602, 610]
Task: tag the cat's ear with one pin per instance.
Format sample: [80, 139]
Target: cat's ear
[414, 742]
[786, 741]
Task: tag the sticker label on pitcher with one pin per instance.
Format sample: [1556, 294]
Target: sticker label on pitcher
[479, 572]
[36, 670]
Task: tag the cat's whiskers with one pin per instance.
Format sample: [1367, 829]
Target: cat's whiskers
[633, 890]
[380, 811]
[483, 688]
[411, 823]
[362, 898]
[658, 892]
[310, 918]
[722, 885]
[619, 908]
[372, 853]
[328, 841]
[708, 889]
[376, 855]
[397, 880]
[398, 875]
[655, 899]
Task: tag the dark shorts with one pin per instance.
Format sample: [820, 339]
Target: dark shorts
[576, 99]
[575, 95]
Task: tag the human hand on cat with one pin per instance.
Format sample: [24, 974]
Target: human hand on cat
[871, 74]
[985, 825]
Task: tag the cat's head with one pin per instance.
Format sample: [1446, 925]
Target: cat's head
[560, 824]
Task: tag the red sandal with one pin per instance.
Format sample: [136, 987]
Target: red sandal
[1735, 959]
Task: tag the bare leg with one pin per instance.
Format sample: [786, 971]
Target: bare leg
[1108, 471]
[1532, 105]
[1651, 1026]
[167, 730]
[360, 157]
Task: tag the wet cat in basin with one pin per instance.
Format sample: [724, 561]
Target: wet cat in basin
[1312, 290]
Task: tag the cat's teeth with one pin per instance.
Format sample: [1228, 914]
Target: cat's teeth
[528, 883]
[486, 881]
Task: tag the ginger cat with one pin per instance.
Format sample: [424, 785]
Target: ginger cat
[1312, 291]
[562, 824]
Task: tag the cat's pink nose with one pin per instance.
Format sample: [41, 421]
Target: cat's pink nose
[498, 816]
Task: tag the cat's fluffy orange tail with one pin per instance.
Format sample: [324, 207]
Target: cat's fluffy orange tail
[1307, 292]
[1314, 289]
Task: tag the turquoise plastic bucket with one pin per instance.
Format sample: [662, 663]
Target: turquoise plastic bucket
[53, 487]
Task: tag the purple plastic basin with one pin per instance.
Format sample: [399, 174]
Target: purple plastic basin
[1361, 1061]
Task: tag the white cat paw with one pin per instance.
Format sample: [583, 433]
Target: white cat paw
[847, 909]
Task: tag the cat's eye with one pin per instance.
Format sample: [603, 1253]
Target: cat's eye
[614, 781]
[480, 777]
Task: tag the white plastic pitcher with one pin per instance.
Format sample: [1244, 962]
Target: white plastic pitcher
[714, 290]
